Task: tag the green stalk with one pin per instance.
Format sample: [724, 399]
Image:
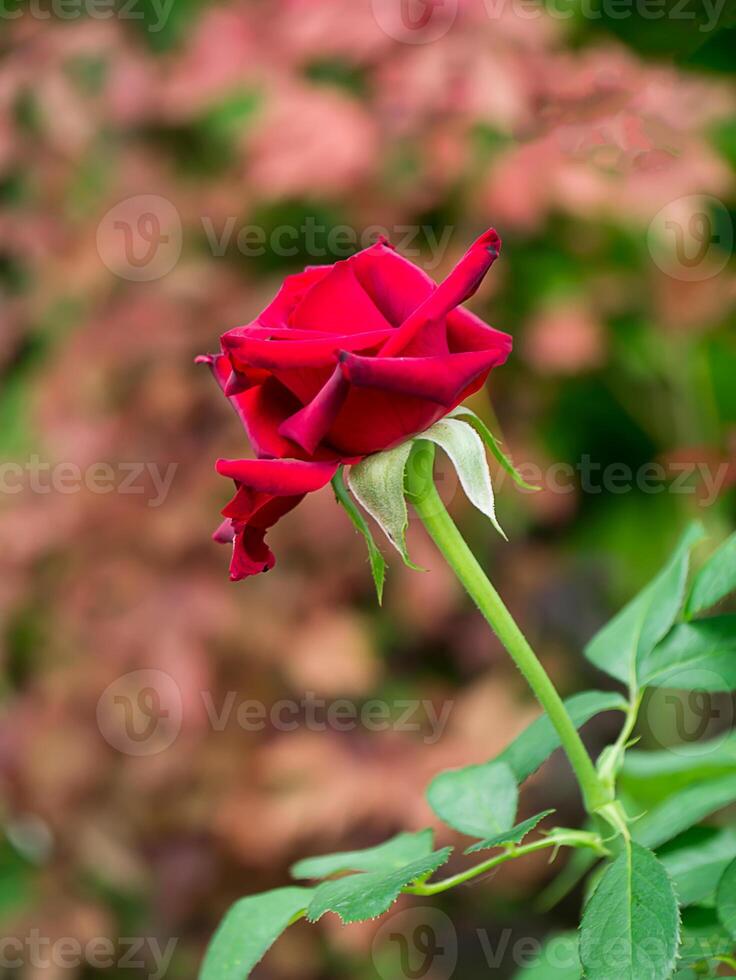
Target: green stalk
[426, 501]
[557, 838]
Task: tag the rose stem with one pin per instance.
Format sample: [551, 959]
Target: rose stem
[426, 501]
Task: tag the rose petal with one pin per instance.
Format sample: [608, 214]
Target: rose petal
[280, 477]
[249, 352]
[458, 287]
[312, 423]
[251, 554]
[339, 304]
[395, 284]
[292, 291]
[440, 379]
[466, 332]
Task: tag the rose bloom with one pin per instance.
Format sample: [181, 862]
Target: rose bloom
[349, 359]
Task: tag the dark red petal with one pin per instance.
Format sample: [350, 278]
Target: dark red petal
[294, 288]
[439, 379]
[249, 352]
[338, 304]
[280, 477]
[372, 420]
[395, 284]
[466, 331]
[251, 554]
[312, 423]
[458, 287]
[257, 508]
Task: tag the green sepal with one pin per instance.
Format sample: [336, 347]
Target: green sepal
[493, 444]
[377, 561]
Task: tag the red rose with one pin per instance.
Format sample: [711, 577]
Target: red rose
[349, 359]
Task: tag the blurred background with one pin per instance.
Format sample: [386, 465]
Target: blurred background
[170, 741]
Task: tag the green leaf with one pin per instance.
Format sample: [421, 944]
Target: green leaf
[683, 810]
[558, 960]
[537, 742]
[619, 646]
[726, 900]
[479, 801]
[703, 936]
[514, 836]
[378, 563]
[463, 446]
[697, 869]
[378, 485]
[700, 655]
[248, 931]
[715, 580]
[492, 443]
[631, 925]
[392, 855]
[649, 776]
[366, 896]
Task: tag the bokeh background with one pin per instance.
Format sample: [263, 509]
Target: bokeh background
[161, 168]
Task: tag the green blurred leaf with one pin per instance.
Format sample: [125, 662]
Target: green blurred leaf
[697, 869]
[479, 801]
[651, 775]
[684, 809]
[464, 447]
[700, 655]
[378, 485]
[726, 900]
[514, 836]
[715, 580]
[537, 742]
[629, 636]
[703, 936]
[392, 855]
[376, 559]
[366, 896]
[631, 925]
[248, 931]
[558, 960]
